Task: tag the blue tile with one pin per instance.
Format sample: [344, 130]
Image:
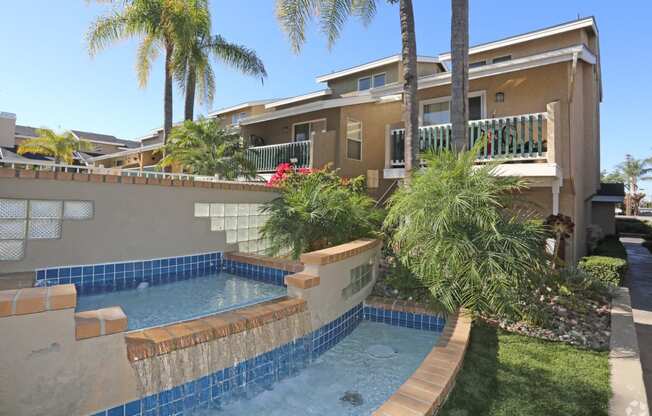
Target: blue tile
[132, 408]
[52, 273]
[116, 411]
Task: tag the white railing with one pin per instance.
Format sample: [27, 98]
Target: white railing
[267, 158]
[45, 166]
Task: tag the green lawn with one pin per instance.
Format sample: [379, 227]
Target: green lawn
[506, 375]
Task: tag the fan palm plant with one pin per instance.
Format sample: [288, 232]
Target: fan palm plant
[61, 147]
[634, 170]
[462, 232]
[294, 15]
[194, 72]
[166, 25]
[203, 147]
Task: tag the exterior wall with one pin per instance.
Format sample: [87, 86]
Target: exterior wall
[130, 221]
[280, 131]
[348, 84]
[604, 215]
[559, 41]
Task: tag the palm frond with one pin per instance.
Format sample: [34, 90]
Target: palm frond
[333, 15]
[293, 15]
[239, 57]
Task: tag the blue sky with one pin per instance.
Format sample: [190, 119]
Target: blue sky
[48, 79]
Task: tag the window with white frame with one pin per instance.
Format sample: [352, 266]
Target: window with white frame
[235, 118]
[364, 83]
[437, 110]
[379, 80]
[353, 139]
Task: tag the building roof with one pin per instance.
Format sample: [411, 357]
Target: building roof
[371, 65]
[299, 98]
[26, 131]
[237, 107]
[612, 189]
[525, 37]
[104, 138]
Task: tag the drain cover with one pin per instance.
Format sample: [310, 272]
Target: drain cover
[381, 351]
[352, 397]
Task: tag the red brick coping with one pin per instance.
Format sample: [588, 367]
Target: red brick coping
[164, 339]
[37, 299]
[90, 324]
[426, 390]
[132, 180]
[273, 262]
[338, 253]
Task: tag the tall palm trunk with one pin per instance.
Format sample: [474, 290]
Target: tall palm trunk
[460, 72]
[167, 100]
[189, 108]
[410, 110]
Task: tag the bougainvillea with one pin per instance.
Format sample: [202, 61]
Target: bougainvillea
[285, 170]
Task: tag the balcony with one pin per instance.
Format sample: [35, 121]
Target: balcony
[267, 158]
[513, 138]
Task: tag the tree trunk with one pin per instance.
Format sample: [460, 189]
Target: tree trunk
[191, 81]
[460, 72]
[167, 100]
[410, 110]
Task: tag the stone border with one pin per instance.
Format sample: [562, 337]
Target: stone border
[131, 180]
[302, 280]
[340, 252]
[625, 371]
[161, 340]
[99, 322]
[265, 261]
[426, 390]
[37, 299]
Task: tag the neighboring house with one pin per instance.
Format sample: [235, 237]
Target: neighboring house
[12, 135]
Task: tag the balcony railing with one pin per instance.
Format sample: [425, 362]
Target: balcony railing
[267, 158]
[513, 137]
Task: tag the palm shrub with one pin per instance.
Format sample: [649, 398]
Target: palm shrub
[203, 147]
[464, 233]
[61, 147]
[318, 209]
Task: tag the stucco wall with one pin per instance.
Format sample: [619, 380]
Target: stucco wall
[603, 214]
[130, 222]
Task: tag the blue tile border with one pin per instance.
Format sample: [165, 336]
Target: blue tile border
[108, 277]
[254, 271]
[426, 322]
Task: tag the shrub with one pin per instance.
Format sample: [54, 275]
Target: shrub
[610, 270]
[633, 226]
[611, 247]
[318, 209]
[456, 227]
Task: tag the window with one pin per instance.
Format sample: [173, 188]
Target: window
[373, 81]
[304, 131]
[379, 80]
[501, 59]
[477, 64]
[364, 83]
[235, 118]
[437, 111]
[353, 139]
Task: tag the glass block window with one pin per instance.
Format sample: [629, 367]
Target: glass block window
[44, 229]
[360, 277]
[45, 209]
[217, 224]
[13, 208]
[12, 229]
[202, 210]
[77, 210]
[217, 210]
[12, 249]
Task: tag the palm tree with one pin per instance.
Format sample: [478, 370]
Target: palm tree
[462, 232]
[633, 171]
[294, 15]
[160, 25]
[193, 70]
[460, 72]
[203, 147]
[61, 147]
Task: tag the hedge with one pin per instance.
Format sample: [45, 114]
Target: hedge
[610, 247]
[633, 226]
[608, 269]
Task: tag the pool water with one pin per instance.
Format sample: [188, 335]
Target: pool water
[353, 378]
[183, 299]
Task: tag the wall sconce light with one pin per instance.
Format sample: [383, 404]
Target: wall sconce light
[500, 97]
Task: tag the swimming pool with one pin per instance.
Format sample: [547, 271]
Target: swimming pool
[353, 378]
[183, 299]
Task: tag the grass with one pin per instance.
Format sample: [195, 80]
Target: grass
[506, 374]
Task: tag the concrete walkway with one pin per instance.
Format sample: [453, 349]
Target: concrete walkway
[639, 282]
